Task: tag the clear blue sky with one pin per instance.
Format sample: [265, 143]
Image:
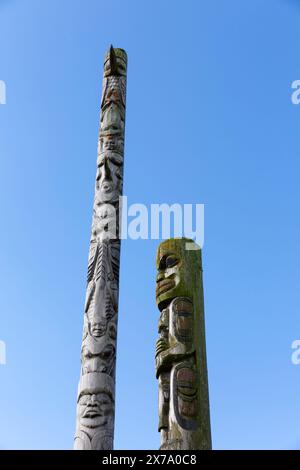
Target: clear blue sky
[209, 120]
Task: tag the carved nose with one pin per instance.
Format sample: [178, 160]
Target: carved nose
[160, 277]
[93, 400]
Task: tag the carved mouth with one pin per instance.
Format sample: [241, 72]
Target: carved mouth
[98, 332]
[164, 286]
[91, 413]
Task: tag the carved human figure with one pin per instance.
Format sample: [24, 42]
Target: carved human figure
[177, 270]
[100, 330]
[113, 93]
[95, 411]
[112, 120]
[99, 348]
[102, 289]
[175, 345]
[115, 63]
[105, 221]
[108, 177]
[180, 349]
[111, 142]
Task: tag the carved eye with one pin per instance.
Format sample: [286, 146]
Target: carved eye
[171, 261]
[121, 66]
[83, 400]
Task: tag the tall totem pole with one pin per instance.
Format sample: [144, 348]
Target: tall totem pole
[181, 369]
[96, 389]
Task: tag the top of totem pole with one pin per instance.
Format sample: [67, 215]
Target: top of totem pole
[115, 62]
[179, 265]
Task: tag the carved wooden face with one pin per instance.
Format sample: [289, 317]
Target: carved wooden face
[112, 142]
[98, 361]
[105, 222]
[112, 119]
[109, 177]
[102, 298]
[98, 328]
[176, 275]
[94, 409]
[103, 309]
[98, 352]
[183, 319]
[163, 324]
[185, 393]
[168, 276]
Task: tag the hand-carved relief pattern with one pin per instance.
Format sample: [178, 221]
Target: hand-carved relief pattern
[96, 390]
[180, 350]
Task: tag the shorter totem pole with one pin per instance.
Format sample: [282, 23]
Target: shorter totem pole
[181, 368]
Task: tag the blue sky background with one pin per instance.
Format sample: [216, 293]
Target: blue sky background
[209, 120]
